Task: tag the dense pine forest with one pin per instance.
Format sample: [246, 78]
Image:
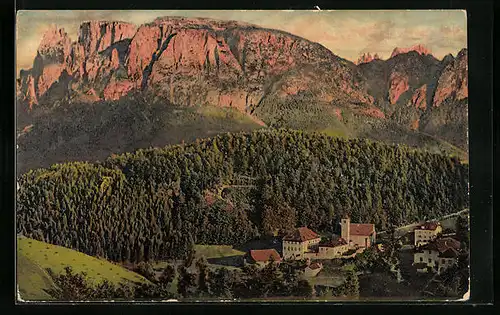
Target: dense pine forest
[157, 203]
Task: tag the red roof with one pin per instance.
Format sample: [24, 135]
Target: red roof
[314, 266]
[430, 226]
[301, 234]
[443, 244]
[264, 255]
[334, 243]
[364, 229]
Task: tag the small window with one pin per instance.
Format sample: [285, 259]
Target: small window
[443, 261]
[421, 259]
[430, 260]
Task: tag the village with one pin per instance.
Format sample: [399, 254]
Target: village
[423, 251]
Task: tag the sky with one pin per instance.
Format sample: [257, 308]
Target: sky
[348, 34]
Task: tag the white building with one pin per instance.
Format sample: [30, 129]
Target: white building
[427, 232]
[299, 242]
[438, 255]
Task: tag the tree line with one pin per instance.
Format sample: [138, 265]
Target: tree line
[196, 281]
[152, 204]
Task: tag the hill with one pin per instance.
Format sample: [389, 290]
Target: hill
[33, 282]
[267, 180]
[35, 257]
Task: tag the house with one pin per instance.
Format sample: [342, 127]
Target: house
[427, 232]
[262, 257]
[333, 248]
[357, 234]
[313, 269]
[299, 242]
[438, 254]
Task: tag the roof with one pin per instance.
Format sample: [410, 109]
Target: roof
[449, 253]
[314, 266]
[264, 255]
[334, 243]
[429, 226]
[442, 244]
[364, 229]
[301, 234]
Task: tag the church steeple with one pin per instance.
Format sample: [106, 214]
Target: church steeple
[345, 226]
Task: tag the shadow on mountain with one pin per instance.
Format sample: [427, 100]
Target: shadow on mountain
[92, 132]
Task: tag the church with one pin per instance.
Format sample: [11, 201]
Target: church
[357, 234]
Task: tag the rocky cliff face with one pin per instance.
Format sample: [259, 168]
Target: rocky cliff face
[411, 84]
[420, 49]
[452, 83]
[367, 57]
[261, 72]
[63, 70]
[187, 61]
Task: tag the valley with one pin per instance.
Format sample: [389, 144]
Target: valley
[170, 160]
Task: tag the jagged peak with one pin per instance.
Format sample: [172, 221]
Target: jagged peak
[419, 48]
[200, 21]
[104, 22]
[447, 59]
[367, 57]
[54, 36]
[462, 52]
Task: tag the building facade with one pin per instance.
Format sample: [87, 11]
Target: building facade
[300, 242]
[333, 249]
[437, 255]
[427, 232]
[262, 257]
[357, 234]
[313, 269]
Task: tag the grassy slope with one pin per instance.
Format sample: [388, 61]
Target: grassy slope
[35, 257]
[216, 251]
[33, 281]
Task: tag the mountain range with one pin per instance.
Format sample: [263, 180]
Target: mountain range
[117, 75]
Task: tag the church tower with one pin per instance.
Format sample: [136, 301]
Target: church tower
[345, 228]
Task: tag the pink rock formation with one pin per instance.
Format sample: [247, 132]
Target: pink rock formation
[185, 60]
[398, 85]
[367, 57]
[50, 74]
[30, 94]
[55, 45]
[116, 89]
[415, 124]
[453, 82]
[96, 36]
[338, 113]
[419, 98]
[373, 112]
[421, 49]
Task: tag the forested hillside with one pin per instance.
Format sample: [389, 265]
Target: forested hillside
[155, 204]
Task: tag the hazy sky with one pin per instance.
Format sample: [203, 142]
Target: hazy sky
[345, 33]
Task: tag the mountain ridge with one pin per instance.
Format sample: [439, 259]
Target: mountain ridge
[276, 78]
